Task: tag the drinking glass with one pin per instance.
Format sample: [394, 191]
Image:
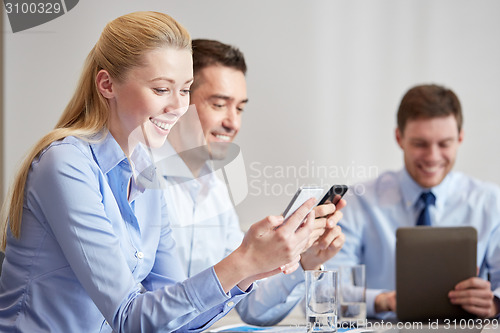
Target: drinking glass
[352, 286]
[321, 300]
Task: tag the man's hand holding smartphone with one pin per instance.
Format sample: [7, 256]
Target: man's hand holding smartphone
[327, 237]
[328, 214]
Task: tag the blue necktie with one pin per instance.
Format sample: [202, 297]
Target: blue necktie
[429, 199]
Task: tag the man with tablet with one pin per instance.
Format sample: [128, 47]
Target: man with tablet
[204, 222]
[425, 192]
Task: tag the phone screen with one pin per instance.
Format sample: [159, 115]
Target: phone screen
[334, 194]
[302, 195]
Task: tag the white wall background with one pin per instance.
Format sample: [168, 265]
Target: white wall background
[324, 81]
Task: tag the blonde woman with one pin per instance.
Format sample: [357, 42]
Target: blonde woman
[82, 238]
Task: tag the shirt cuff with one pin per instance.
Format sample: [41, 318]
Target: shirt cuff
[208, 318]
[237, 291]
[204, 290]
[371, 294]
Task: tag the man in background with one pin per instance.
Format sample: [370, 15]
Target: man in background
[425, 192]
[205, 225]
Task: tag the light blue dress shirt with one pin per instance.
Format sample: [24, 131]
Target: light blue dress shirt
[206, 229]
[84, 249]
[377, 208]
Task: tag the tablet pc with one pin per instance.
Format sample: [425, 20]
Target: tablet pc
[430, 261]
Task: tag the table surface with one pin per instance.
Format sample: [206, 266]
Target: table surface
[295, 322]
[294, 319]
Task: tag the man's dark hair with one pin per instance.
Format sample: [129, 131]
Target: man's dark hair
[208, 52]
[428, 101]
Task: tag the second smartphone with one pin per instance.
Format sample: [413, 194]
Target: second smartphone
[334, 194]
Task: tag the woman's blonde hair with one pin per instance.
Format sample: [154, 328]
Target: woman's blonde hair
[120, 47]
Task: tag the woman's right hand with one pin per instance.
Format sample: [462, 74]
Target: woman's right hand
[269, 247]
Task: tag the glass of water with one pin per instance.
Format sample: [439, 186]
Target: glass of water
[321, 301]
[352, 288]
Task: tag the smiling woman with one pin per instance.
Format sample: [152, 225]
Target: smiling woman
[88, 248]
[151, 97]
